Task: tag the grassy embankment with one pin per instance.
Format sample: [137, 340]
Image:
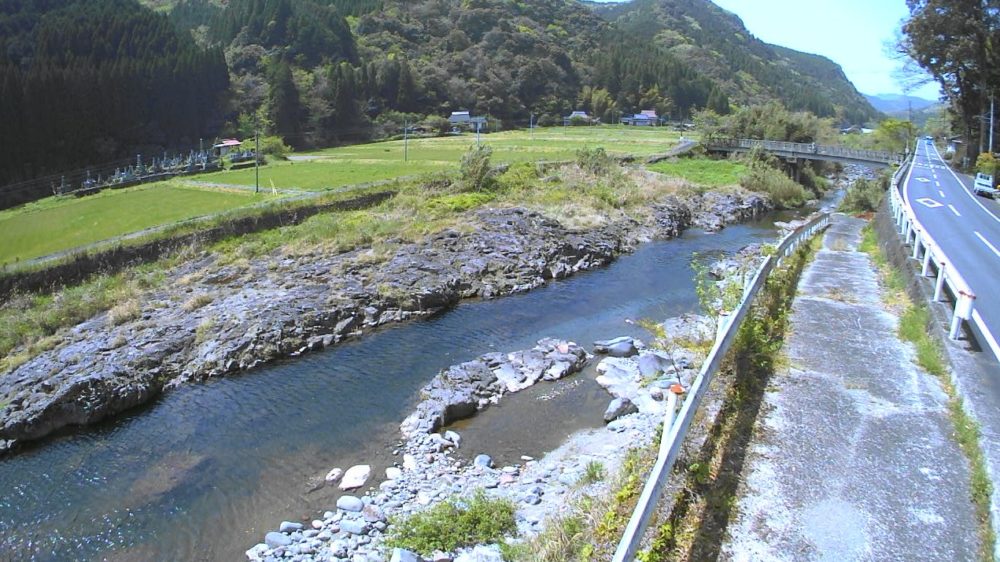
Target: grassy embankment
[31, 323]
[914, 326]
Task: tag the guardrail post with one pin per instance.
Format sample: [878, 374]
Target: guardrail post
[916, 244]
[668, 420]
[927, 263]
[963, 311]
[939, 284]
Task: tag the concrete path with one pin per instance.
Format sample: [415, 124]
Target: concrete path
[852, 456]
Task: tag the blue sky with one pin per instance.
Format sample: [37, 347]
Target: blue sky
[852, 33]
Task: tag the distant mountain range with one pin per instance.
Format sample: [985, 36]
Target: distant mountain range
[893, 104]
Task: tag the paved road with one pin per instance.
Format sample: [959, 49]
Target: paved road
[852, 457]
[965, 226]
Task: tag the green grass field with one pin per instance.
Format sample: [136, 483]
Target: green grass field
[320, 175]
[553, 143]
[54, 225]
[58, 224]
[709, 173]
[349, 165]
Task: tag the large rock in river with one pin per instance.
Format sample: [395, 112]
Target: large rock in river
[460, 390]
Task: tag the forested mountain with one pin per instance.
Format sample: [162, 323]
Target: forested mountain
[748, 70]
[89, 81]
[898, 103]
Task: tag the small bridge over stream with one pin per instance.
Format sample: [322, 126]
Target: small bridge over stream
[791, 152]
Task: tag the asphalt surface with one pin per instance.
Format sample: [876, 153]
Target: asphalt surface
[852, 457]
[965, 226]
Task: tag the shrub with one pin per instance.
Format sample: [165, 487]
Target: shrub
[864, 196]
[475, 169]
[813, 181]
[784, 192]
[438, 124]
[454, 524]
[269, 146]
[595, 160]
[546, 120]
[986, 163]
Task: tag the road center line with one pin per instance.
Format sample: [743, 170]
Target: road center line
[954, 210]
[987, 242]
[937, 183]
[941, 193]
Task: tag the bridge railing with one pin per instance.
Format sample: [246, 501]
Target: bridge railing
[675, 428]
[806, 149]
[929, 253]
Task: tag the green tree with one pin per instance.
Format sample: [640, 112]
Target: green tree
[955, 41]
[718, 101]
[894, 134]
[284, 105]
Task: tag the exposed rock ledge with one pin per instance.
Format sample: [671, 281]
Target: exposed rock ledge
[212, 319]
[461, 390]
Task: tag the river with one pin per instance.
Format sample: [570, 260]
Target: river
[206, 470]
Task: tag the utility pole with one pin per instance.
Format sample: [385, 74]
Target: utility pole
[991, 123]
[406, 140]
[256, 156]
[531, 125]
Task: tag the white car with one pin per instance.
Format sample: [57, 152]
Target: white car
[984, 186]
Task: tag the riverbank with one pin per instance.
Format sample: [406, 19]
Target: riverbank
[429, 470]
[213, 319]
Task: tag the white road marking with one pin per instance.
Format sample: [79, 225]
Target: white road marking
[929, 203]
[987, 242]
[937, 183]
[967, 192]
[954, 210]
[942, 193]
[923, 180]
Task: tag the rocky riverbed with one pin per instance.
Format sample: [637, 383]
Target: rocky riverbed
[213, 319]
[428, 472]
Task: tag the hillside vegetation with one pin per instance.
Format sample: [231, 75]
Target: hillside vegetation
[86, 81]
[92, 82]
[748, 70]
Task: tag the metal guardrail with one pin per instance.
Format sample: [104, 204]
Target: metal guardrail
[913, 232]
[807, 150]
[675, 429]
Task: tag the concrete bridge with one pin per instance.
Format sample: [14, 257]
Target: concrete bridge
[791, 152]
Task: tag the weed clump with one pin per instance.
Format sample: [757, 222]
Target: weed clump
[454, 524]
[595, 161]
[475, 171]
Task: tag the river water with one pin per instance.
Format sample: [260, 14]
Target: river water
[208, 469]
